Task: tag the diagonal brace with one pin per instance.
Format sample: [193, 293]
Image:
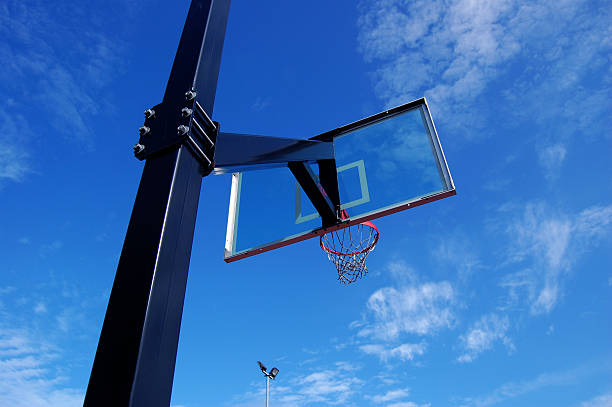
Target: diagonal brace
[315, 192]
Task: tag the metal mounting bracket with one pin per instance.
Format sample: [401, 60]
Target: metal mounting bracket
[166, 128]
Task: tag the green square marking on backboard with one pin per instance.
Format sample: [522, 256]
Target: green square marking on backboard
[386, 163]
[363, 182]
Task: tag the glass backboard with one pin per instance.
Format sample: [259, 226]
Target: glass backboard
[385, 163]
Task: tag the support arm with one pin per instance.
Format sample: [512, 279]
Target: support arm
[241, 151]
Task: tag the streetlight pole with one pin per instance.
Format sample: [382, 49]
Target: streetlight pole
[267, 388]
[271, 375]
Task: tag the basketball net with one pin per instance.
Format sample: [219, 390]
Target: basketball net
[348, 249]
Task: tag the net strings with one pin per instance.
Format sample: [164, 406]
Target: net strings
[348, 251]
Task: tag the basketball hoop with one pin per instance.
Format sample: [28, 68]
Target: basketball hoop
[348, 249]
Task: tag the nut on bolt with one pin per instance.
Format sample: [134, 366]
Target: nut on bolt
[149, 113]
[138, 148]
[186, 112]
[144, 130]
[182, 130]
[190, 95]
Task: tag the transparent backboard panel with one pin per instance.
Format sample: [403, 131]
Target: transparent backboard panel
[388, 162]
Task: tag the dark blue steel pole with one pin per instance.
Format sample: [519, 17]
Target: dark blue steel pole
[136, 354]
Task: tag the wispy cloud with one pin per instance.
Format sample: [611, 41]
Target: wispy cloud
[605, 400]
[38, 323]
[7, 290]
[408, 308]
[260, 104]
[551, 159]
[458, 253]
[28, 377]
[545, 244]
[40, 308]
[403, 352]
[391, 395]
[545, 65]
[512, 390]
[483, 335]
[448, 51]
[407, 404]
[47, 87]
[419, 309]
[593, 224]
[453, 50]
[14, 159]
[340, 383]
[334, 385]
[329, 386]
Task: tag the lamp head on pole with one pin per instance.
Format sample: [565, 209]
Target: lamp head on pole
[264, 370]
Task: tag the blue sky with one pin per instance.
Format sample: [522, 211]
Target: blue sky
[500, 296]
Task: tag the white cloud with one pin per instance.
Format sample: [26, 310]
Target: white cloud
[546, 243]
[389, 396]
[403, 352]
[483, 335]
[411, 307]
[604, 400]
[445, 50]
[387, 378]
[419, 309]
[327, 386]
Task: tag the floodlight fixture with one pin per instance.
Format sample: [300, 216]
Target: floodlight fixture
[273, 373]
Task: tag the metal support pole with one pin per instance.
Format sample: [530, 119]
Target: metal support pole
[267, 389]
[136, 354]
